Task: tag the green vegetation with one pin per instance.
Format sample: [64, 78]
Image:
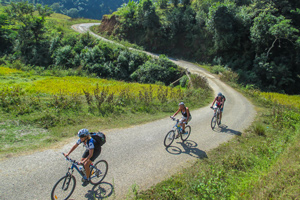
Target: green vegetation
[38, 110]
[36, 37]
[93, 9]
[52, 81]
[258, 39]
[62, 23]
[262, 163]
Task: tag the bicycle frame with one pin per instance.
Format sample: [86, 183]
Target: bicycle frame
[217, 111]
[176, 127]
[75, 165]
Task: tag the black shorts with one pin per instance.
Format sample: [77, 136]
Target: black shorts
[95, 154]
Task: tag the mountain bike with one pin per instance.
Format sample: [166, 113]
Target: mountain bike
[216, 118]
[176, 132]
[65, 186]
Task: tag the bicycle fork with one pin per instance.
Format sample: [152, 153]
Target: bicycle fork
[66, 183]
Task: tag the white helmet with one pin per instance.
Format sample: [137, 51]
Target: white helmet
[83, 133]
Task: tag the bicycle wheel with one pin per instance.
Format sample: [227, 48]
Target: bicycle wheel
[213, 122]
[187, 133]
[63, 188]
[169, 138]
[98, 172]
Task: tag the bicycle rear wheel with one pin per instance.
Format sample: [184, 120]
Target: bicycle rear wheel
[63, 188]
[98, 172]
[213, 122]
[187, 133]
[169, 138]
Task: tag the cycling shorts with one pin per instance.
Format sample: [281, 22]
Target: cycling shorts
[219, 106]
[95, 154]
[185, 118]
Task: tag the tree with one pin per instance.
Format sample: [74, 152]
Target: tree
[30, 23]
[5, 34]
[73, 12]
[147, 16]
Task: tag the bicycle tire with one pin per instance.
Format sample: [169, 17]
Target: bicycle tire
[184, 137]
[102, 166]
[169, 138]
[67, 179]
[213, 122]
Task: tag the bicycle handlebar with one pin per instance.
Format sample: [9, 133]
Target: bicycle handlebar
[174, 119]
[69, 159]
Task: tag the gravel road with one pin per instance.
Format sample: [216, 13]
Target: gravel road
[136, 155]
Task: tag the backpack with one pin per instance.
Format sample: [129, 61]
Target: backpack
[99, 137]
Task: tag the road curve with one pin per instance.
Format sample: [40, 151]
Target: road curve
[136, 155]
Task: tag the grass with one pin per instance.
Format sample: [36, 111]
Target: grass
[37, 111]
[262, 163]
[63, 23]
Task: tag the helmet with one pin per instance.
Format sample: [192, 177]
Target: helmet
[83, 133]
[181, 103]
[220, 94]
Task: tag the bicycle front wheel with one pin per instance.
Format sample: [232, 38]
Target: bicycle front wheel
[169, 138]
[63, 188]
[213, 122]
[186, 135]
[98, 172]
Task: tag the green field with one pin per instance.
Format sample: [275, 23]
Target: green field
[37, 111]
[63, 23]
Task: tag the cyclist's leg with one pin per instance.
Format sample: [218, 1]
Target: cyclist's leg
[183, 119]
[84, 155]
[221, 112]
[96, 153]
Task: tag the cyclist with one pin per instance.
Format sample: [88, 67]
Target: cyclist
[186, 116]
[91, 153]
[219, 100]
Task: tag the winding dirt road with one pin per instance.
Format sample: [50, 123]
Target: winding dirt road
[136, 155]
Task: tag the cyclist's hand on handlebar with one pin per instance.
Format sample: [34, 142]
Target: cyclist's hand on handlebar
[172, 117]
[66, 154]
[212, 107]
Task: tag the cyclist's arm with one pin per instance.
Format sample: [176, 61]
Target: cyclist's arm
[72, 149]
[188, 114]
[213, 102]
[176, 113]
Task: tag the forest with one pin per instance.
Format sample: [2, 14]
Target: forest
[258, 39]
[92, 9]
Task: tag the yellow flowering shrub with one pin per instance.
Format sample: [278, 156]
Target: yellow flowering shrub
[77, 85]
[6, 70]
[288, 100]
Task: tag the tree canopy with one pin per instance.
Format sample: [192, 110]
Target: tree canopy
[259, 39]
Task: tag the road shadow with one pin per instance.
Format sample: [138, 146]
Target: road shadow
[224, 129]
[189, 147]
[101, 191]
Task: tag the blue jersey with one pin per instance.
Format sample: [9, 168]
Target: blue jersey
[90, 144]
